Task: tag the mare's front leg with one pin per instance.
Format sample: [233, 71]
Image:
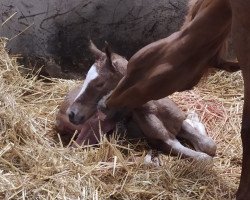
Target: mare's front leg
[241, 41]
[229, 66]
[157, 134]
[194, 131]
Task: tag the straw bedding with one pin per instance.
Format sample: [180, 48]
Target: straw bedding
[35, 165]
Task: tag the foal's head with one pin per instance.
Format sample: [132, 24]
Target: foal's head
[102, 77]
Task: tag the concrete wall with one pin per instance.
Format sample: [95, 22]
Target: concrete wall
[60, 29]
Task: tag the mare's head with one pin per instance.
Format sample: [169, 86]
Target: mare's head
[102, 77]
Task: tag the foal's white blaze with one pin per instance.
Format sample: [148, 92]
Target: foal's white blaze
[91, 75]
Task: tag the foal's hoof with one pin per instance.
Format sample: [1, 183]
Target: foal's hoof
[208, 146]
[194, 121]
[193, 116]
[204, 157]
[149, 159]
[204, 160]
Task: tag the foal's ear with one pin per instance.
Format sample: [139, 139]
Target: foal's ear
[94, 50]
[109, 53]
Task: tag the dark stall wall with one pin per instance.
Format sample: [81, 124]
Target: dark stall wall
[60, 29]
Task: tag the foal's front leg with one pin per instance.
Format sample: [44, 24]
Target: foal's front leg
[89, 133]
[93, 129]
[156, 133]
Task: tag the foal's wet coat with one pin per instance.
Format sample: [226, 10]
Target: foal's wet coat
[160, 122]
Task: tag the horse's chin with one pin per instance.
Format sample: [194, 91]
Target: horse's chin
[89, 117]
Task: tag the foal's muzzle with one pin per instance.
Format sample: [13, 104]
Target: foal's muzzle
[75, 118]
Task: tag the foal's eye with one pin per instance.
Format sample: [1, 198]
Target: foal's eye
[99, 85]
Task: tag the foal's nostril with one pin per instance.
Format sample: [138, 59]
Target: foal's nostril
[82, 119]
[71, 116]
[75, 118]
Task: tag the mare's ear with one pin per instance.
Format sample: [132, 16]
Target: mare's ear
[94, 50]
[109, 53]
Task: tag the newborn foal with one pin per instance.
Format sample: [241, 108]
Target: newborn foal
[78, 111]
[159, 121]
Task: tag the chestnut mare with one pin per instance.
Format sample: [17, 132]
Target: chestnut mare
[160, 122]
[177, 63]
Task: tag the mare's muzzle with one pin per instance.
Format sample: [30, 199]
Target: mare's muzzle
[115, 114]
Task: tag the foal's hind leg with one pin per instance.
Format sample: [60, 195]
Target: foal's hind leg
[157, 134]
[174, 147]
[194, 131]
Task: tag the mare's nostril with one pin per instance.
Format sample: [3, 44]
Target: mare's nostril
[71, 116]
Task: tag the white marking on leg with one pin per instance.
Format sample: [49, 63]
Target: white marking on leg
[193, 116]
[91, 75]
[194, 121]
